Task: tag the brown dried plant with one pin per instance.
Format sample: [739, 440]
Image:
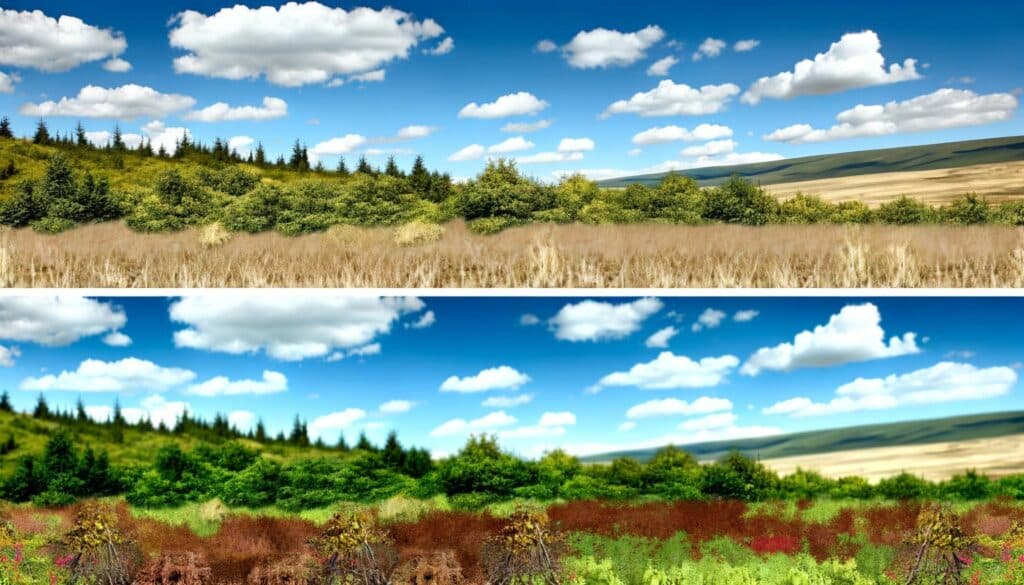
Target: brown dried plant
[354, 550]
[526, 550]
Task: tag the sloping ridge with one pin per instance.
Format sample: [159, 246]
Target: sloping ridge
[848, 164]
[920, 432]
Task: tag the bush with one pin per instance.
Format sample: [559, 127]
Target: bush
[905, 211]
[52, 225]
[1009, 213]
[806, 209]
[491, 225]
[967, 209]
[500, 191]
[740, 201]
[738, 477]
[903, 487]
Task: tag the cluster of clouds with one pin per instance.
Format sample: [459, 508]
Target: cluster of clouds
[303, 43]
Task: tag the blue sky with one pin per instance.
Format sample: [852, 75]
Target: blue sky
[959, 65]
[589, 375]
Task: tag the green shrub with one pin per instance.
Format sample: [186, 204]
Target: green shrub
[806, 209]
[1009, 213]
[736, 476]
[491, 225]
[52, 225]
[903, 486]
[905, 211]
[967, 209]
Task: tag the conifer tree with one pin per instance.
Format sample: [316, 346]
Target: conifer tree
[391, 169]
[80, 137]
[342, 169]
[261, 155]
[42, 410]
[5, 128]
[5, 402]
[42, 135]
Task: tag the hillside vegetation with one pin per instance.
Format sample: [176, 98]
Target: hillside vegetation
[58, 457]
[947, 155]
[53, 184]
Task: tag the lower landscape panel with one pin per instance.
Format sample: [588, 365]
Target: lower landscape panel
[300, 437]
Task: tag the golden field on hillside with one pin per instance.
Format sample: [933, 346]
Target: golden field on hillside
[994, 457]
[997, 182]
[549, 256]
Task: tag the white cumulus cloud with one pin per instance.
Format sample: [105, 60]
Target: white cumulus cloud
[526, 127]
[677, 407]
[944, 108]
[943, 382]
[8, 355]
[296, 44]
[56, 320]
[514, 144]
[117, 65]
[602, 47]
[676, 99]
[852, 62]
[340, 145]
[575, 145]
[471, 152]
[8, 81]
[307, 325]
[499, 378]
[222, 112]
[663, 134]
[335, 421]
[443, 48]
[125, 375]
[507, 401]
[670, 371]
[271, 383]
[745, 45]
[709, 48]
[33, 39]
[396, 406]
[854, 334]
[709, 319]
[127, 102]
[457, 426]
[660, 68]
[514, 104]
[591, 320]
[661, 337]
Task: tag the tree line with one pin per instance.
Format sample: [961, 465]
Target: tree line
[479, 474]
[208, 186]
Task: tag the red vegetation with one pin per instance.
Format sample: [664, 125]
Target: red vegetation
[782, 543]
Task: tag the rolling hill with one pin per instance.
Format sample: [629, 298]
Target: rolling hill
[922, 432]
[849, 164]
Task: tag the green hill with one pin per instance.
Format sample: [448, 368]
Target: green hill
[135, 445]
[958, 428]
[848, 164]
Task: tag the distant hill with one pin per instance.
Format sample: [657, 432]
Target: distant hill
[848, 164]
[958, 428]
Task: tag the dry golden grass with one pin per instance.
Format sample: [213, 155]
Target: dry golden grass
[995, 457]
[997, 182]
[576, 256]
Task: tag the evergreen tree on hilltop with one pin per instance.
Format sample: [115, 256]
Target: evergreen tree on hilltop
[342, 169]
[42, 409]
[364, 166]
[5, 402]
[260, 158]
[118, 141]
[364, 443]
[419, 177]
[81, 139]
[392, 455]
[42, 135]
[391, 169]
[5, 128]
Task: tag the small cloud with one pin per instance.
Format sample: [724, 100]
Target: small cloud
[709, 319]
[507, 401]
[545, 46]
[443, 48]
[117, 65]
[745, 315]
[745, 45]
[661, 338]
[426, 320]
[397, 406]
[529, 320]
[117, 339]
[709, 48]
[499, 378]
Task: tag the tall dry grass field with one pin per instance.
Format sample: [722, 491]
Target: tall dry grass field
[636, 256]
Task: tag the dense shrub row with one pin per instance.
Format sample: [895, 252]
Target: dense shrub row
[191, 194]
[477, 475]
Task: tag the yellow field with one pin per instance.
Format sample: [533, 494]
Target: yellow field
[997, 182]
[937, 461]
[549, 256]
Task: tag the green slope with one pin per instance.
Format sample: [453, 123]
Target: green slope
[958, 428]
[138, 447]
[848, 164]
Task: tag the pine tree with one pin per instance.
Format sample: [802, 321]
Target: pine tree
[261, 155]
[364, 444]
[5, 402]
[80, 138]
[342, 169]
[5, 128]
[391, 169]
[342, 445]
[42, 135]
[118, 141]
[393, 456]
[80, 414]
[261, 432]
[118, 418]
[364, 166]
[42, 410]
[419, 177]
[298, 160]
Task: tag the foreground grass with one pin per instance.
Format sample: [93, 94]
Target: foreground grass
[567, 256]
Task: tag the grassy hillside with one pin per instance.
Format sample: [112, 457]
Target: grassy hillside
[124, 171]
[138, 447]
[848, 164]
[959, 428]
